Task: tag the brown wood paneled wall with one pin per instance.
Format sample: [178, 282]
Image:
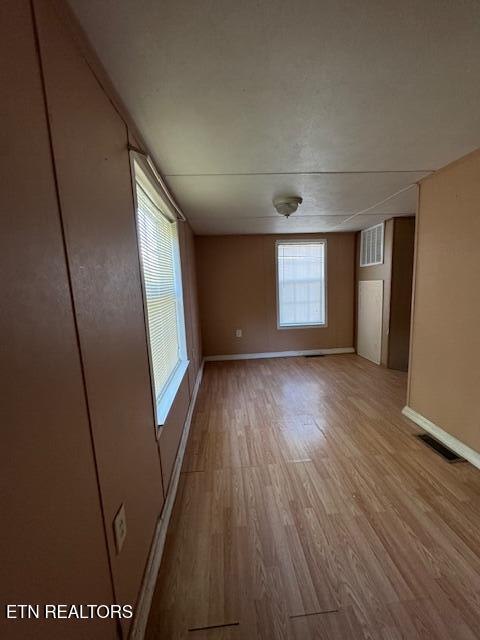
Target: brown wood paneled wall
[237, 290]
[90, 148]
[81, 438]
[53, 546]
[380, 272]
[401, 293]
[396, 273]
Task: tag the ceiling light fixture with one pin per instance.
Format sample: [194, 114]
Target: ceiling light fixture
[287, 206]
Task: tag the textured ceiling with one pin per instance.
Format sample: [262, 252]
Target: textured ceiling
[345, 103]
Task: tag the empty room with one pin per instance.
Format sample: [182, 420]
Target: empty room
[240, 352]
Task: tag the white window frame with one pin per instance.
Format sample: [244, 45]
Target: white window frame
[362, 235]
[143, 176]
[313, 325]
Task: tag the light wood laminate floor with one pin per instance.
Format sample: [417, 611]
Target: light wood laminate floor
[307, 509]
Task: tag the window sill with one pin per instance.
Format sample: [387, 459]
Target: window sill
[319, 325]
[170, 393]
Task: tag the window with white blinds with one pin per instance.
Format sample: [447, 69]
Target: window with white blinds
[371, 246]
[158, 246]
[301, 286]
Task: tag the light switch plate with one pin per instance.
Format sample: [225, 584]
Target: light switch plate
[120, 528]
[238, 333]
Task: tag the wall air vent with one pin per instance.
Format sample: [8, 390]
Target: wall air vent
[371, 246]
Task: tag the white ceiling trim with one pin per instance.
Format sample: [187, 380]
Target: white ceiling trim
[378, 204]
[291, 173]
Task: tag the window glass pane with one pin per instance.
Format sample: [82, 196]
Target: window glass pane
[158, 242]
[301, 283]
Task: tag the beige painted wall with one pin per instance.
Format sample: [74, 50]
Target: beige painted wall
[81, 438]
[445, 351]
[237, 290]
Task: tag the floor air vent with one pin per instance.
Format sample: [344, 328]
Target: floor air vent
[439, 448]
[314, 355]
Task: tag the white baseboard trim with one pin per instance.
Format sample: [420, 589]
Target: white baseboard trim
[281, 354]
[445, 438]
[139, 624]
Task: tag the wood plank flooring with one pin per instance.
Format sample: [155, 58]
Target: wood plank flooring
[307, 509]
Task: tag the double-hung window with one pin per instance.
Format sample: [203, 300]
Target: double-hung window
[162, 282]
[301, 283]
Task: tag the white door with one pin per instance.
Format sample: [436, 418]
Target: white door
[369, 323]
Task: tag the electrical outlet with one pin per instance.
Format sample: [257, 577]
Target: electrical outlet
[238, 333]
[120, 528]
